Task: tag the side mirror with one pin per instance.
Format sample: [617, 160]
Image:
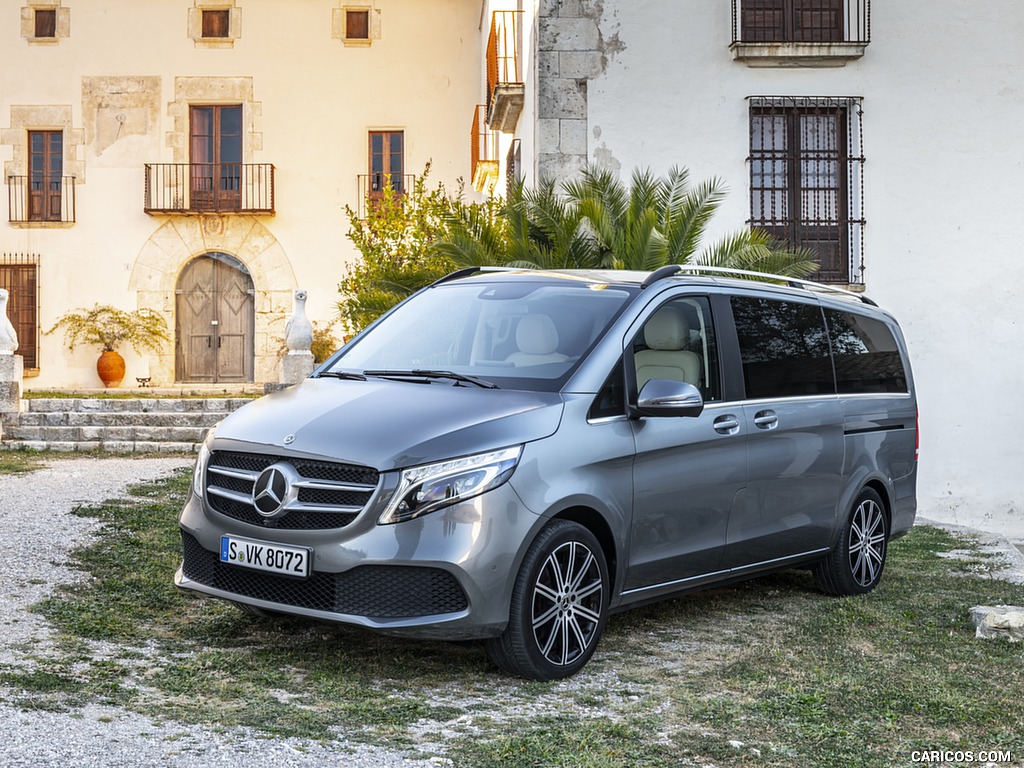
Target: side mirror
[661, 397]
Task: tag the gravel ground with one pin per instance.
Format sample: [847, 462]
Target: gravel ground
[35, 515]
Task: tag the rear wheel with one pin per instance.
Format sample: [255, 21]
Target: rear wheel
[855, 566]
[559, 605]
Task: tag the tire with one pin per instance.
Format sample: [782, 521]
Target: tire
[559, 605]
[854, 567]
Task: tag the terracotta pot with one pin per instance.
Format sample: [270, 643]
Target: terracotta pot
[110, 368]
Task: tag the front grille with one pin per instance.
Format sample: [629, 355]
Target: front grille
[373, 591]
[329, 494]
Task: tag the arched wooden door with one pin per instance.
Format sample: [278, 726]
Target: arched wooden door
[214, 321]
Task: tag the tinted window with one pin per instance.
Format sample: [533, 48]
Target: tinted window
[784, 348]
[866, 356]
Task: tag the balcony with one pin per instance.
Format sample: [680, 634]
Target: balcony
[505, 89]
[800, 33]
[41, 201]
[198, 188]
[373, 189]
[483, 162]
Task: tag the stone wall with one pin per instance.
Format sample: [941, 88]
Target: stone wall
[572, 49]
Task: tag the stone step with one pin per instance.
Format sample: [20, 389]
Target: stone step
[131, 424]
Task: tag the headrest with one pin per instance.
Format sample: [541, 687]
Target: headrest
[536, 335]
[667, 329]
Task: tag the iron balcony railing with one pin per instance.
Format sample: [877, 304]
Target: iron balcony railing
[504, 69]
[483, 161]
[801, 21]
[209, 188]
[41, 199]
[372, 186]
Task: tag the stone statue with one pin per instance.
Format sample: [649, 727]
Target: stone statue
[298, 331]
[298, 338]
[8, 336]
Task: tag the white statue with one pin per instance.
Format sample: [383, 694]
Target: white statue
[8, 336]
[298, 331]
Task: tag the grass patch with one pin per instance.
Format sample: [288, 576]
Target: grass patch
[766, 673]
[19, 462]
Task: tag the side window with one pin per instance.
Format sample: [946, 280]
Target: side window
[678, 343]
[611, 400]
[867, 358]
[783, 347]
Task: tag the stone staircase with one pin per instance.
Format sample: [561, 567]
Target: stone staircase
[162, 424]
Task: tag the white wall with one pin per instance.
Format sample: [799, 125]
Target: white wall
[942, 83]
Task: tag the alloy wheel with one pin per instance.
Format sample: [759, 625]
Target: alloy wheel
[867, 542]
[567, 603]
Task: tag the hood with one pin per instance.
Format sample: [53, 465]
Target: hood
[388, 424]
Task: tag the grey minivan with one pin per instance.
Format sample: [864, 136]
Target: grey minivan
[513, 455]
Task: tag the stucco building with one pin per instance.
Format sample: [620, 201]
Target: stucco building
[195, 157]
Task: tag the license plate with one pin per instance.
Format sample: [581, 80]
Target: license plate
[264, 556]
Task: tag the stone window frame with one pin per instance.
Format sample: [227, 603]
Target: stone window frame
[44, 117]
[195, 23]
[191, 91]
[28, 21]
[339, 25]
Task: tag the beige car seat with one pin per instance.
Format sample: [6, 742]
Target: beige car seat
[667, 334]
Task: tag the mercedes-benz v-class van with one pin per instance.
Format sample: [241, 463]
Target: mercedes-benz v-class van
[512, 455]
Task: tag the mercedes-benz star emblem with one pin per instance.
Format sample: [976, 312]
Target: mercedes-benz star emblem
[270, 491]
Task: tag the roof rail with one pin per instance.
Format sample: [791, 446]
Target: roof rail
[792, 282]
[465, 272]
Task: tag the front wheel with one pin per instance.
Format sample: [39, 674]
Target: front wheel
[855, 566]
[559, 605]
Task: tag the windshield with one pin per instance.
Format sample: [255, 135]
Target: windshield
[518, 335]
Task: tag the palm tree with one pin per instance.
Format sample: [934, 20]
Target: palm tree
[599, 222]
[531, 229]
[660, 221]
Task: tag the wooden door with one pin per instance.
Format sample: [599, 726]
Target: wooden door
[46, 168]
[21, 282]
[215, 318]
[215, 158]
[387, 163]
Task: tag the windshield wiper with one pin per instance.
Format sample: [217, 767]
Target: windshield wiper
[342, 375]
[418, 373]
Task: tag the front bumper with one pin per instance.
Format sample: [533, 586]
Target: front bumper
[448, 574]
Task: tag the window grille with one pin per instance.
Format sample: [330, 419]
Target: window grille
[807, 178]
[19, 275]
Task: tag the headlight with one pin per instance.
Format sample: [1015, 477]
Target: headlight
[199, 473]
[433, 486]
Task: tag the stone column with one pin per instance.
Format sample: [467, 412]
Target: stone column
[298, 338]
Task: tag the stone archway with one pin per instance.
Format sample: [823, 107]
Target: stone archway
[178, 242]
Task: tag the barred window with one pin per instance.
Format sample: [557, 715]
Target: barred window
[806, 179]
[801, 21]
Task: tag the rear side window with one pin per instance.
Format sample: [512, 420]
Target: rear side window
[867, 358]
[784, 348]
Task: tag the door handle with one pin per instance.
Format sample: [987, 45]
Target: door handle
[766, 420]
[726, 425]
